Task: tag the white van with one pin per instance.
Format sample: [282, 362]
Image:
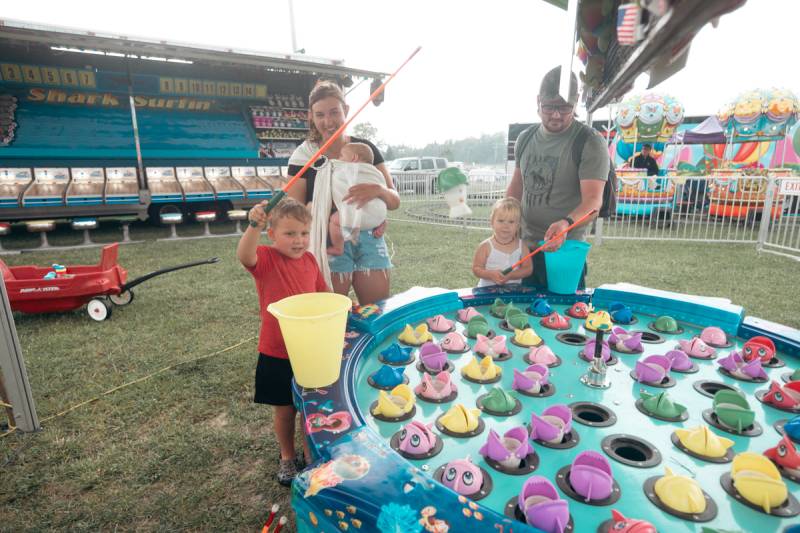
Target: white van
[416, 174]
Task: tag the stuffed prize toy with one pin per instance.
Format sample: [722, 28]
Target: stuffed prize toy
[453, 184]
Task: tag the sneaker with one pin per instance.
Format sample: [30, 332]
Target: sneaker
[287, 470]
[299, 463]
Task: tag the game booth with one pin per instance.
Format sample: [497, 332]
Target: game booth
[523, 410]
[106, 126]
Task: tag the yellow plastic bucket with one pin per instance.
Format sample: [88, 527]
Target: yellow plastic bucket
[313, 327]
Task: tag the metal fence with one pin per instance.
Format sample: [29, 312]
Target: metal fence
[729, 208]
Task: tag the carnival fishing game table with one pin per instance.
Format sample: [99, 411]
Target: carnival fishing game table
[477, 410]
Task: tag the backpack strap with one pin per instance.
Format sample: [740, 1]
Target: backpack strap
[577, 146]
[524, 138]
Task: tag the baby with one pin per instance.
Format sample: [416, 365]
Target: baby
[353, 152]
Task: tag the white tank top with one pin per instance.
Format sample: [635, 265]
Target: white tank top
[499, 260]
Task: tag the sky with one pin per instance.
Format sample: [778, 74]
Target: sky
[480, 64]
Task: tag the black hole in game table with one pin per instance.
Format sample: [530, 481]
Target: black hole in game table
[576, 339]
[710, 388]
[653, 338]
[632, 451]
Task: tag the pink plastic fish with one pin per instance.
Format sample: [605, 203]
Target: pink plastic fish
[417, 438]
[714, 336]
[493, 347]
[697, 347]
[436, 388]
[463, 476]
[464, 315]
[454, 342]
[439, 324]
[542, 355]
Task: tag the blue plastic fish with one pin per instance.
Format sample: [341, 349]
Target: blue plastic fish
[396, 353]
[541, 307]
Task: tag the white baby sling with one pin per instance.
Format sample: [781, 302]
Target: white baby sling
[333, 179]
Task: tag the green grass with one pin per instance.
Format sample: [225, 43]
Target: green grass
[187, 449]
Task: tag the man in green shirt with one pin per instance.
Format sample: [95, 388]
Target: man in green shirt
[555, 184]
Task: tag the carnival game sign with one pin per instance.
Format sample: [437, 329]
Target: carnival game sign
[108, 100]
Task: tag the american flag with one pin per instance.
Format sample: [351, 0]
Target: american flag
[627, 19]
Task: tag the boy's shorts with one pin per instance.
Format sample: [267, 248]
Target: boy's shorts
[369, 253]
[273, 381]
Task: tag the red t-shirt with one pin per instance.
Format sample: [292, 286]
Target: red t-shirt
[278, 276]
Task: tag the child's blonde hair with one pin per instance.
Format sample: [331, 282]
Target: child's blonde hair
[509, 205]
[289, 208]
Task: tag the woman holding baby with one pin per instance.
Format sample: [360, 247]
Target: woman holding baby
[363, 260]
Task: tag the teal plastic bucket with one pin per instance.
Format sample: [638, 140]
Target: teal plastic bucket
[565, 266]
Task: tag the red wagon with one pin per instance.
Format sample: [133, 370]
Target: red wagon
[97, 286]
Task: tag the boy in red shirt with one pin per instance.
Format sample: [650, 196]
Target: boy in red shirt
[281, 270]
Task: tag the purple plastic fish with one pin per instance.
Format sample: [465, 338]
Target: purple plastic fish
[432, 357]
[510, 450]
[652, 369]
[542, 506]
[463, 476]
[679, 360]
[737, 366]
[531, 380]
[588, 350]
[553, 424]
[624, 341]
[417, 438]
[590, 476]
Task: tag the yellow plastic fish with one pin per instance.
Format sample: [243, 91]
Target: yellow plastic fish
[702, 441]
[758, 480]
[680, 493]
[459, 419]
[598, 320]
[416, 336]
[526, 337]
[486, 369]
[395, 403]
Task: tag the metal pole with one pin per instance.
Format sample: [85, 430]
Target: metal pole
[15, 375]
[785, 138]
[766, 213]
[566, 66]
[291, 26]
[135, 124]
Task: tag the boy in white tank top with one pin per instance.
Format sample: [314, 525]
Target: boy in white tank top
[503, 248]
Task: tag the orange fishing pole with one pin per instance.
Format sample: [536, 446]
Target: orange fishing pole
[555, 237]
[279, 196]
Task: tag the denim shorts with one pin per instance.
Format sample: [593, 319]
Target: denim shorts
[369, 253]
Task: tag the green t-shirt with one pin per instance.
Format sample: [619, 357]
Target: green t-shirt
[551, 179]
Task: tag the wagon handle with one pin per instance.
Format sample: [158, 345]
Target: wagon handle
[131, 284]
